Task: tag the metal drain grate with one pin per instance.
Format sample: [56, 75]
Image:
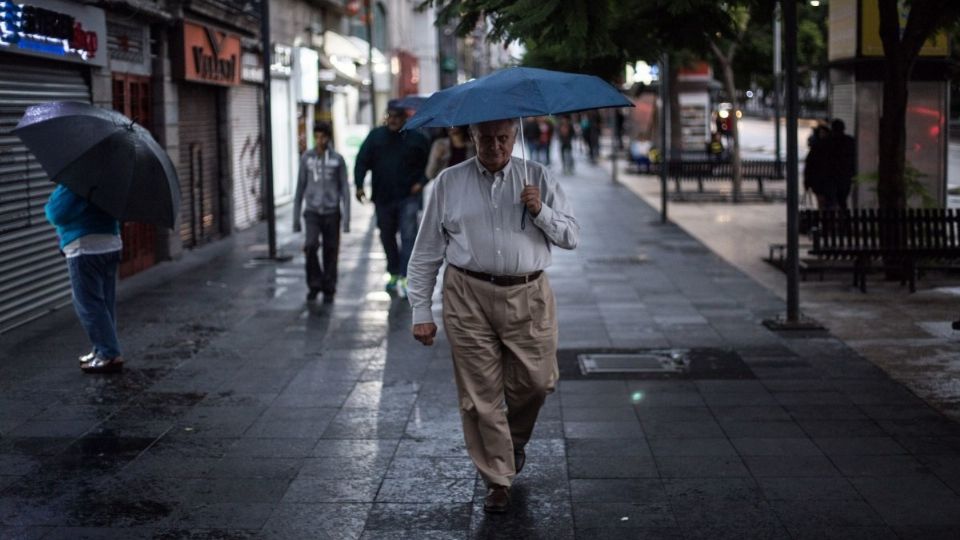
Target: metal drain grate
[672, 361]
[654, 364]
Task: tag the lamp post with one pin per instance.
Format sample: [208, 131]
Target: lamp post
[664, 123]
[267, 142]
[793, 320]
[777, 71]
[373, 94]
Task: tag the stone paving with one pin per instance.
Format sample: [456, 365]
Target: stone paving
[246, 413]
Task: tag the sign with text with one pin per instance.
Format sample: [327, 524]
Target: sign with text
[55, 30]
[210, 56]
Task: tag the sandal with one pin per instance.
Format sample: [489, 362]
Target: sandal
[100, 364]
[88, 357]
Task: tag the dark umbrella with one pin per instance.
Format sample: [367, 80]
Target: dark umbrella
[104, 157]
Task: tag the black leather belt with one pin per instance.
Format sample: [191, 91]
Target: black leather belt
[502, 281]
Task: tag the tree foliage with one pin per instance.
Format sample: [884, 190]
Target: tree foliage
[593, 36]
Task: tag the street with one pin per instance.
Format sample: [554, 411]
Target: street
[244, 412]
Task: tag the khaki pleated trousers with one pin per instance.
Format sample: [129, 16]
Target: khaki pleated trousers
[504, 343]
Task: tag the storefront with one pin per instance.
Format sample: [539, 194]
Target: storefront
[246, 143]
[46, 54]
[207, 63]
[283, 109]
[128, 48]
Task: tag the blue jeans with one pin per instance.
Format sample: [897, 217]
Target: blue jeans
[399, 216]
[94, 282]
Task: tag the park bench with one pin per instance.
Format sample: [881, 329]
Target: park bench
[702, 171]
[903, 240]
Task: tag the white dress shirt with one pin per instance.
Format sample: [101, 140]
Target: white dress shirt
[474, 219]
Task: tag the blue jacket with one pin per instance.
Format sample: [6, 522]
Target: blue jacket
[74, 216]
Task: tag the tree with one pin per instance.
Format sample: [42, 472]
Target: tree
[724, 48]
[901, 47]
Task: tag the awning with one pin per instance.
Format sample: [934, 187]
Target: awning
[346, 54]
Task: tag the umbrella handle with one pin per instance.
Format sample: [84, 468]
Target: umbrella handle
[526, 175]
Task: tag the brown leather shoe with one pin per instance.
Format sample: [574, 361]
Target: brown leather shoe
[498, 498]
[519, 458]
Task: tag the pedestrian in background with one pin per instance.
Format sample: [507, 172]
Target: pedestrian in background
[843, 162]
[498, 309]
[323, 192]
[448, 151]
[544, 139]
[90, 241]
[398, 162]
[565, 136]
[816, 169]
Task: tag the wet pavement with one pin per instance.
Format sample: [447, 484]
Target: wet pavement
[244, 412]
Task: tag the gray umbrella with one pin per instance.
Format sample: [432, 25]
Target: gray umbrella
[104, 157]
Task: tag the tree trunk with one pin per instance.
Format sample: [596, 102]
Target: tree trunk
[730, 87]
[891, 187]
[731, 90]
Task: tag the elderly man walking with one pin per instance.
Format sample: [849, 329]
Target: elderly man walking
[494, 224]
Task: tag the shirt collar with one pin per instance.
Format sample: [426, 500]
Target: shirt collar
[484, 172]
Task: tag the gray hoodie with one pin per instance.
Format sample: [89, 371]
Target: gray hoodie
[322, 186]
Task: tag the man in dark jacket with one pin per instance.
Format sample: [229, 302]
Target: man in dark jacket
[816, 169]
[843, 159]
[324, 194]
[398, 163]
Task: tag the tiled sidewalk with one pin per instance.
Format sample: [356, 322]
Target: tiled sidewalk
[246, 413]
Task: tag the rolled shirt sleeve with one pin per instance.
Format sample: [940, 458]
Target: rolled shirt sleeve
[556, 217]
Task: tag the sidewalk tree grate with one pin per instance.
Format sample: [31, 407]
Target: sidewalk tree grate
[694, 363]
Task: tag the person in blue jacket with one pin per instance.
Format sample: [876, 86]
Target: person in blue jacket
[398, 163]
[90, 240]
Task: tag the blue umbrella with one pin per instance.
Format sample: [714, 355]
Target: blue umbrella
[514, 93]
[411, 102]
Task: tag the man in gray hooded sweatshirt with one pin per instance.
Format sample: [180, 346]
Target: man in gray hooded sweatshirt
[324, 194]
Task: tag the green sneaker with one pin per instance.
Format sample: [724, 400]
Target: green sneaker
[402, 287]
[392, 283]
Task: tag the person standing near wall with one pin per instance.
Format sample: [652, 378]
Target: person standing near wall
[90, 241]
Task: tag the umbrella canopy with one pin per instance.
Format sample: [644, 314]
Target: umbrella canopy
[103, 156]
[514, 93]
[411, 102]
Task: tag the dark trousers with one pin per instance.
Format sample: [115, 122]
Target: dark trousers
[325, 227]
[94, 282]
[399, 216]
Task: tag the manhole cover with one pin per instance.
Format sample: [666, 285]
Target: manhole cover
[613, 364]
[652, 362]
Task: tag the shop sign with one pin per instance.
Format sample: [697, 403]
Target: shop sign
[307, 65]
[57, 30]
[252, 67]
[281, 62]
[210, 55]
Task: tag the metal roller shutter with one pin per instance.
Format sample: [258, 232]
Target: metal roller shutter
[200, 209]
[245, 113]
[33, 276]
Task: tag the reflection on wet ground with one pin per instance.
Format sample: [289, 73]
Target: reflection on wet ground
[246, 412]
